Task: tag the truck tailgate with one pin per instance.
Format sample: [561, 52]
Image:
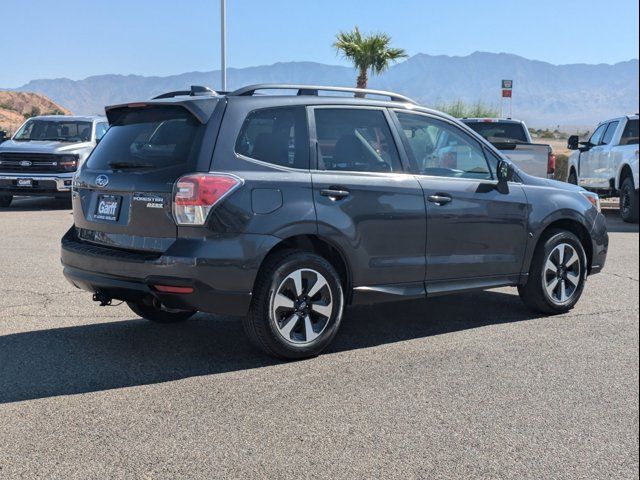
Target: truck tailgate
[532, 158]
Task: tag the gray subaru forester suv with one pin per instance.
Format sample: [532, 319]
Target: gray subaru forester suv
[286, 208]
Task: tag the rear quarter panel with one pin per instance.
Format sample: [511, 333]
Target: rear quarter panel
[622, 155]
[274, 200]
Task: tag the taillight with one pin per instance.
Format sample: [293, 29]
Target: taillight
[196, 194]
[551, 164]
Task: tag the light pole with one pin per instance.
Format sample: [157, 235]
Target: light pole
[223, 45]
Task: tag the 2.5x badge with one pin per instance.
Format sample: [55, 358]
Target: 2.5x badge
[152, 201]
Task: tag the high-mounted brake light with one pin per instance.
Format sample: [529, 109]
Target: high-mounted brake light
[196, 194]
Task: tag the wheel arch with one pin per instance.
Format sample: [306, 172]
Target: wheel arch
[321, 246]
[623, 172]
[574, 226]
[572, 169]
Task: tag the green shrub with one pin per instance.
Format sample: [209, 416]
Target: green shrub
[460, 109]
[548, 134]
[562, 167]
[35, 111]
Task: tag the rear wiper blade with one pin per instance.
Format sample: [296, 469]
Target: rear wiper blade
[123, 165]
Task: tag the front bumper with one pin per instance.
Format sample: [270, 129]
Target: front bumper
[600, 244]
[220, 271]
[42, 184]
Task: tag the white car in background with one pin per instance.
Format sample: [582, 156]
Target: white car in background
[608, 163]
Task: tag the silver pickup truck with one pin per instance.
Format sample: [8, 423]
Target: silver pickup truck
[44, 154]
[512, 138]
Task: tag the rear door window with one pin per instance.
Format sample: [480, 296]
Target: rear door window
[355, 139]
[611, 131]
[151, 137]
[277, 136]
[630, 134]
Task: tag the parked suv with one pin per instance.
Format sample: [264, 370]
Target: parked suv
[284, 209]
[44, 154]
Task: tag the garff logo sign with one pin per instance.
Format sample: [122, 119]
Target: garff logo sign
[507, 88]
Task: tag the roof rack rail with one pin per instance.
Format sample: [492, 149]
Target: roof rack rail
[195, 91]
[314, 89]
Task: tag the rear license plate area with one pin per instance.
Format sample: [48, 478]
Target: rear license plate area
[108, 208]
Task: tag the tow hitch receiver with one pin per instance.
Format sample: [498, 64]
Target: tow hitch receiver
[104, 300]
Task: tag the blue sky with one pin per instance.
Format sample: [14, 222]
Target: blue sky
[75, 39]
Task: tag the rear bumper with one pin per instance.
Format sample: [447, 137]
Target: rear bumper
[220, 271]
[43, 184]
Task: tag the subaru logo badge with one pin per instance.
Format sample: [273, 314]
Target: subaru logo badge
[25, 163]
[102, 181]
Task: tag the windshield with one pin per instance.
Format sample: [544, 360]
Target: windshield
[54, 130]
[495, 132]
[148, 138]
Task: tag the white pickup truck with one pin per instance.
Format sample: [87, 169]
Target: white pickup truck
[512, 138]
[608, 163]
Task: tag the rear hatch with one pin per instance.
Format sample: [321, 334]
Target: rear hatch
[123, 193]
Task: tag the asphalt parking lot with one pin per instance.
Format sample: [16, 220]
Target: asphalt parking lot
[466, 386]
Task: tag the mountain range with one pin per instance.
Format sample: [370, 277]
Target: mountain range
[544, 95]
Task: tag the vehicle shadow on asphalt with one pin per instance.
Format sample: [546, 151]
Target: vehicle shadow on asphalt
[36, 204]
[615, 224]
[103, 356]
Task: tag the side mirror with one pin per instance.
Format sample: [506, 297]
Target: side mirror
[504, 172]
[573, 143]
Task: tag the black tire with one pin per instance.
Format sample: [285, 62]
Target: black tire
[573, 178]
[5, 200]
[534, 295]
[149, 312]
[629, 201]
[266, 321]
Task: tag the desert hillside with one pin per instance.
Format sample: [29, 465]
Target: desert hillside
[15, 107]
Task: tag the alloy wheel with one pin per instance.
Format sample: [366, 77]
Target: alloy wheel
[561, 278]
[302, 306]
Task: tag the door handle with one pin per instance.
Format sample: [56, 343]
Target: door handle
[335, 193]
[439, 199]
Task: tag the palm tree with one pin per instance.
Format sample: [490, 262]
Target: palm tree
[367, 52]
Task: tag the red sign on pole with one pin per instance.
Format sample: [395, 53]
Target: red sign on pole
[506, 93]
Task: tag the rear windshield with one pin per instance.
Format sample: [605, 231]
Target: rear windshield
[54, 130]
[153, 137]
[500, 132]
